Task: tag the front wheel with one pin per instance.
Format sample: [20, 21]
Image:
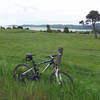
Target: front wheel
[61, 77]
[19, 69]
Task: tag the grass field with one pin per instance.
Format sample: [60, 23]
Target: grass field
[81, 59]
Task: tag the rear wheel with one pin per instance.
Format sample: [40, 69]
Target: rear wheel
[62, 78]
[19, 69]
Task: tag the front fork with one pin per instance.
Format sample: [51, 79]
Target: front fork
[58, 76]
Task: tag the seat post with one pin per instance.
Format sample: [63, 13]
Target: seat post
[33, 62]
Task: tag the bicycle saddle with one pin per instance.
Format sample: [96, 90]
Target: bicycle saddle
[29, 56]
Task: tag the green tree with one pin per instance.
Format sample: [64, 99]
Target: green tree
[66, 30]
[2, 27]
[93, 17]
[48, 28]
[81, 22]
[20, 27]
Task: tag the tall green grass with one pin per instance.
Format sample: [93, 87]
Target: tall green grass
[81, 59]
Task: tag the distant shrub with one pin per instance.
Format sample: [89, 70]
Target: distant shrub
[14, 27]
[41, 31]
[19, 27]
[86, 32]
[54, 31]
[27, 28]
[58, 31]
[66, 30]
[8, 27]
[71, 31]
[2, 27]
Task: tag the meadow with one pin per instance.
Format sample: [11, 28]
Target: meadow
[81, 59]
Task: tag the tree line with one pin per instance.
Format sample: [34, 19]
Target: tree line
[14, 27]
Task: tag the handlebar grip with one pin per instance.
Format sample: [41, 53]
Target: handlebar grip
[51, 56]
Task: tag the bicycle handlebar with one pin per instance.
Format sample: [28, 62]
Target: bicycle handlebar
[51, 56]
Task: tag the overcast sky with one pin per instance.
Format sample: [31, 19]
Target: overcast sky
[45, 11]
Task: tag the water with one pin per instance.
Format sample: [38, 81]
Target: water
[44, 28]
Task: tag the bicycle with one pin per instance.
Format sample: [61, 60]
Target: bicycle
[24, 71]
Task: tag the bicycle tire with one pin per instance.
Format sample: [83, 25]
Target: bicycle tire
[18, 72]
[60, 72]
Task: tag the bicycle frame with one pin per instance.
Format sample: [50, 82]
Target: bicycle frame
[36, 64]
